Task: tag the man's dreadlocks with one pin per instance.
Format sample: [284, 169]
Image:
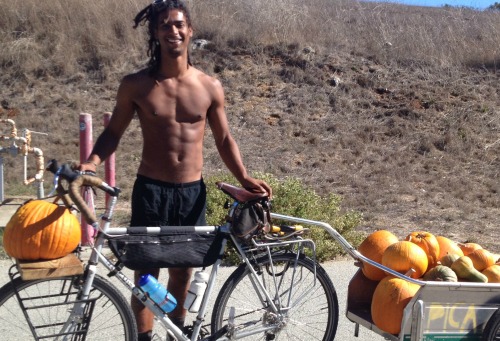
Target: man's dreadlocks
[149, 15]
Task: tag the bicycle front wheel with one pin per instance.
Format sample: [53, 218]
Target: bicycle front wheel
[307, 304]
[47, 306]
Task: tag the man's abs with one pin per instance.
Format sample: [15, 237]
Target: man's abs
[170, 166]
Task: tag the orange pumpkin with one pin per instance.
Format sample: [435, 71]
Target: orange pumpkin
[373, 247]
[389, 301]
[481, 259]
[467, 248]
[428, 242]
[360, 290]
[41, 230]
[493, 273]
[403, 256]
[448, 246]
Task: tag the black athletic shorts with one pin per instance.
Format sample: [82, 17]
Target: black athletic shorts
[159, 203]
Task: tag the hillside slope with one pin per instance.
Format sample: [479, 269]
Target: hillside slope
[411, 147]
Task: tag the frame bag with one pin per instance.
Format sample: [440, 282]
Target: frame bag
[170, 248]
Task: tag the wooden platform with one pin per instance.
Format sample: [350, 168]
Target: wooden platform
[65, 266]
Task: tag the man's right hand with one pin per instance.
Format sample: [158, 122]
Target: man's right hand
[88, 166]
[256, 185]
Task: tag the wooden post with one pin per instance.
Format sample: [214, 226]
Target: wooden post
[85, 150]
[109, 167]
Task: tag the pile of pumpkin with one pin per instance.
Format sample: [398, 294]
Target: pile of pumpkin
[423, 256]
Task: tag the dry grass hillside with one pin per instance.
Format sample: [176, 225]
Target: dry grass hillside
[395, 108]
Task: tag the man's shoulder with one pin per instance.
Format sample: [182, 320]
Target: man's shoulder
[206, 79]
[141, 75]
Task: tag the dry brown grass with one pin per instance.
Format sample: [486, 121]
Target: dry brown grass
[407, 132]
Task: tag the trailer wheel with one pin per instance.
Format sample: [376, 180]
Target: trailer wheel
[492, 329]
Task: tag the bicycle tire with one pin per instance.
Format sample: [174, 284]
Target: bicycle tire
[315, 317]
[492, 330]
[111, 318]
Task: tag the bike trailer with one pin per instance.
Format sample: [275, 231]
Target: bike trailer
[440, 311]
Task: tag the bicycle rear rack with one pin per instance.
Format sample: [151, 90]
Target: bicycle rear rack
[295, 244]
[32, 304]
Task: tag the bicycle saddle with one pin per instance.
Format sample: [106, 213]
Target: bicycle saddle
[240, 194]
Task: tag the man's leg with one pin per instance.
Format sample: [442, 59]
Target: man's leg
[178, 285]
[144, 317]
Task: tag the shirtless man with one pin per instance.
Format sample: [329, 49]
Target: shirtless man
[173, 101]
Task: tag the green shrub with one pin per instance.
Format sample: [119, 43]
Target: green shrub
[291, 197]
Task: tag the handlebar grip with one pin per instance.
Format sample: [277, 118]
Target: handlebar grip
[74, 194]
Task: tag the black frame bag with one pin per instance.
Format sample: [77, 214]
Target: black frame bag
[170, 248]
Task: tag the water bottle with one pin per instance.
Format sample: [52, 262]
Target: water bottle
[196, 292]
[158, 293]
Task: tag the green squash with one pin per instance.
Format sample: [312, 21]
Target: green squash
[441, 273]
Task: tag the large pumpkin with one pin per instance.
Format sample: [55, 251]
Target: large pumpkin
[41, 230]
[428, 242]
[389, 301]
[448, 246]
[360, 291]
[403, 256]
[373, 247]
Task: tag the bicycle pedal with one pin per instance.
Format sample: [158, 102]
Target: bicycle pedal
[230, 320]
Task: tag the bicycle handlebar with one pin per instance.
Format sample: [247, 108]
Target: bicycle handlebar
[76, 180]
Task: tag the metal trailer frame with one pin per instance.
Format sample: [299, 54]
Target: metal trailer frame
[438, 311]
[441, 311]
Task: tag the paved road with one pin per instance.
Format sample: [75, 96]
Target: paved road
[339, 271]
[7, 209]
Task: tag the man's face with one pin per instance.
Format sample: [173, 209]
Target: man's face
[173, 32]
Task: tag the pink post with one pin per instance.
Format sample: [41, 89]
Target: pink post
[85, 150]
[109, 167]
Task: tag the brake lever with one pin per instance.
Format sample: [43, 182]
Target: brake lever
[55, 183]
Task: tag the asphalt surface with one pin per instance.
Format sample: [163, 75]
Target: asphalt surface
[7, 209]
[339, 271]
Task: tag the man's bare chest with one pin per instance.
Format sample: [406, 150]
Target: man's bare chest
[181, 104]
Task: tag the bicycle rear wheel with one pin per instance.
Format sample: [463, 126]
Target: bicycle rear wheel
[308, 306]
[48, 303]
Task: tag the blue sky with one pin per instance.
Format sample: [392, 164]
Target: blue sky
[479, 4]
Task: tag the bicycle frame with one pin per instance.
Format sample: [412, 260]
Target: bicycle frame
[273, 266]
[96, 256]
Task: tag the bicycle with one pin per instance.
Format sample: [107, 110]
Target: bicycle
[277, 291]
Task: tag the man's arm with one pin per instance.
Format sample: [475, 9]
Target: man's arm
[226, 145]
[109, 139]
